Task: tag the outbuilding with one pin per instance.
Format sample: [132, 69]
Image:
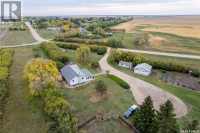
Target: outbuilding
[126, 64]
[143, 69]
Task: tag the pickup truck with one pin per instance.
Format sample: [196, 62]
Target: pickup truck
[130, 111]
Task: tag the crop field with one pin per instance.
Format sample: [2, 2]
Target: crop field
[178, 34]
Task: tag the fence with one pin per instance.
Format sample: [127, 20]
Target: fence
[128, 125]
[86, 123]
[4, 33]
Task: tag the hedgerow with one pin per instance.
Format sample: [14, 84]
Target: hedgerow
[5, 61]
[121, 82]
[53, 52]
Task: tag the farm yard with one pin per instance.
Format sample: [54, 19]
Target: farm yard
[189, 97]
[88, 102]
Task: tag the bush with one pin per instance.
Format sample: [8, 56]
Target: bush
[101, 51]
[95, 65]
[53, 52]
[59, 65]
[121, 82]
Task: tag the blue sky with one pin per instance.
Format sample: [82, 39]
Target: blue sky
[110, 7]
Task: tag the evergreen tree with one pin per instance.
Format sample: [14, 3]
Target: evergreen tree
[165, 121]
[192, 126]
[143, 119]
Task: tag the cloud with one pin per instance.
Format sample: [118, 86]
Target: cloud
[111, 7]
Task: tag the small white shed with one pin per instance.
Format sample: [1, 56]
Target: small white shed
[126, 64]
[143, 69]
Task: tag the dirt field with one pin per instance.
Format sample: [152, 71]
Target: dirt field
[177, 34]
[181, 25]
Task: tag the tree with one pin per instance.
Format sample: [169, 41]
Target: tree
[192, 126]
[101, 87]
[165, 121]
[83, 53]
[41, 73]
[99, 31]
[144, 118]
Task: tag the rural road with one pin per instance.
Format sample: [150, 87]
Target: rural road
[161, 53]
[142, 89]
[34, 33]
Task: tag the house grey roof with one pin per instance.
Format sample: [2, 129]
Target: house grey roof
[126, 63]
[144, 66]
[87, 73]
[70, 71]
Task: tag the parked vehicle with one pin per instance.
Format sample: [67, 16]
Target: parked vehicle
[130, 111]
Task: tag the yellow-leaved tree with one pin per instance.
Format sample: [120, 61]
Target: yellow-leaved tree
[41, 73]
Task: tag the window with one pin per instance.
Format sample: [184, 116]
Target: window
[82, 78]
[73, 80]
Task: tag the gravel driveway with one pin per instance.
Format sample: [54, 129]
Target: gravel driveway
[142, 89]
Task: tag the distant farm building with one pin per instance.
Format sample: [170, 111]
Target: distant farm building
[63, 50]
[143, 69]
[75, 76]
[53, 28]
[126, 64]
[109, 33]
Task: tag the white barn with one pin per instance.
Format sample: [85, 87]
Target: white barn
[126, 64]
[143, 69]
[75, 76]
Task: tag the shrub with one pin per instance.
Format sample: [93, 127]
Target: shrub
[121, 82]
[59, 65]
[95, 65]
[101, 51]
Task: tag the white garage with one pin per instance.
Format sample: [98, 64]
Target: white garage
[143, 69]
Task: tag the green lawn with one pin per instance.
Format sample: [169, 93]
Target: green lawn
[195, 63]
[47, 34]
[94, 57]
[87, 103]
[191, 98]
[23, 112]
[17, 38]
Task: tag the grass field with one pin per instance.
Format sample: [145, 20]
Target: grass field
[17, 38]
[193, 63]
[47, 34]
[87, 103]
[191, 98]
[23, 112]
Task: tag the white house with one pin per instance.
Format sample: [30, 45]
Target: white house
[75, 76]
[143, 69]
[126, 64]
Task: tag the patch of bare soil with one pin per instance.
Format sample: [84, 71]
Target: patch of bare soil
[96, 97]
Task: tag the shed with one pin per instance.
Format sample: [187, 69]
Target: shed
[62, 49]
[126, 64]
[143, 69]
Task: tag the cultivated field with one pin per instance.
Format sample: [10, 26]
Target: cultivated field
[177, 34]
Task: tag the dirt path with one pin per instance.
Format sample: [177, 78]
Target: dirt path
[22, 112]
[142, 89]
[34, 33]
[162, 53]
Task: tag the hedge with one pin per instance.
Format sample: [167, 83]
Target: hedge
[53, 52]
[93, 48]
[121, 82]
[5, 61]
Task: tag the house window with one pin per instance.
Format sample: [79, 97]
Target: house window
[73, 80]
[82, 78]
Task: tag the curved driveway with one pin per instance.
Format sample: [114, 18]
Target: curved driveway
[142, 89]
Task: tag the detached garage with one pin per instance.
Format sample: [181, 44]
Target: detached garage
[143, 69]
